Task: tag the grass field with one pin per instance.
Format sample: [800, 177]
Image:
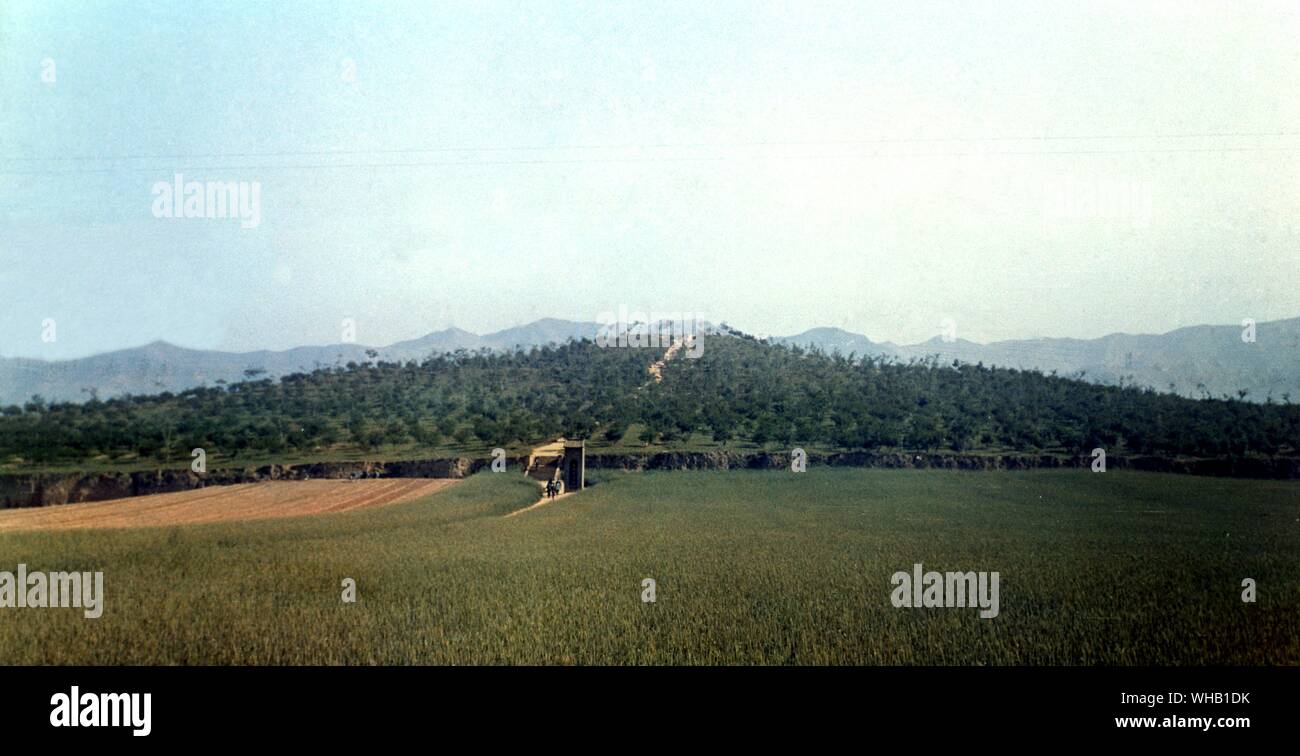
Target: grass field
[752, 568]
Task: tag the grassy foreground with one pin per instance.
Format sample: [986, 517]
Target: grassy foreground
[752, 568]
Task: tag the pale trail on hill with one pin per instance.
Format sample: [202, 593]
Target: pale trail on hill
[1198, 360]
[657, 369]
[656, 376]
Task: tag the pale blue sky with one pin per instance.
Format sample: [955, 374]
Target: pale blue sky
[777, 165]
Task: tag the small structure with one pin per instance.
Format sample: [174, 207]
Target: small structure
[563, 461]
[575, 465]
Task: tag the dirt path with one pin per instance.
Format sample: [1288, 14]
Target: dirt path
[246, 501]
[540, 503]
[657, 369]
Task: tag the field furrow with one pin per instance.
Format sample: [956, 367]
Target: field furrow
[247, 501]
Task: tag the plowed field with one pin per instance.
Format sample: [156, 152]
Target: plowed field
[248, 501]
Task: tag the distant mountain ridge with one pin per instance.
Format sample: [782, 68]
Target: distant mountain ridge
[1197, 361]
[160, 366]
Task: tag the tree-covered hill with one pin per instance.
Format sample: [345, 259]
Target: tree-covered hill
[793, 396]
[497, 399]
[739, 389]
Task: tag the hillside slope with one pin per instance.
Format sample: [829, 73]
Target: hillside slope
[1198, 361]
[737, 388]
[159, 366]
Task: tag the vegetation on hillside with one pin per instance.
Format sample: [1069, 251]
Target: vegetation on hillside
[740, 389]
[791, 396]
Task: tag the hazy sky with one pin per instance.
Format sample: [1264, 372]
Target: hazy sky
[1035, 169]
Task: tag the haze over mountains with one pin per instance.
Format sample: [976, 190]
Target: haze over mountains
[1196, 361]
[160, 366]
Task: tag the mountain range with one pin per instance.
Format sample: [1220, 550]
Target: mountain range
[1195, 361]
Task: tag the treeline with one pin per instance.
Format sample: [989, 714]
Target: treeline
[790, 396]
[740, 389]
[462, 399]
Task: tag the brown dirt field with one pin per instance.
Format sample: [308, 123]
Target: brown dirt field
[246, 501]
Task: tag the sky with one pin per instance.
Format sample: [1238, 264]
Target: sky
[1014, 169]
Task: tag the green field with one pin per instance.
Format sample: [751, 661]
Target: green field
[752, 568]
